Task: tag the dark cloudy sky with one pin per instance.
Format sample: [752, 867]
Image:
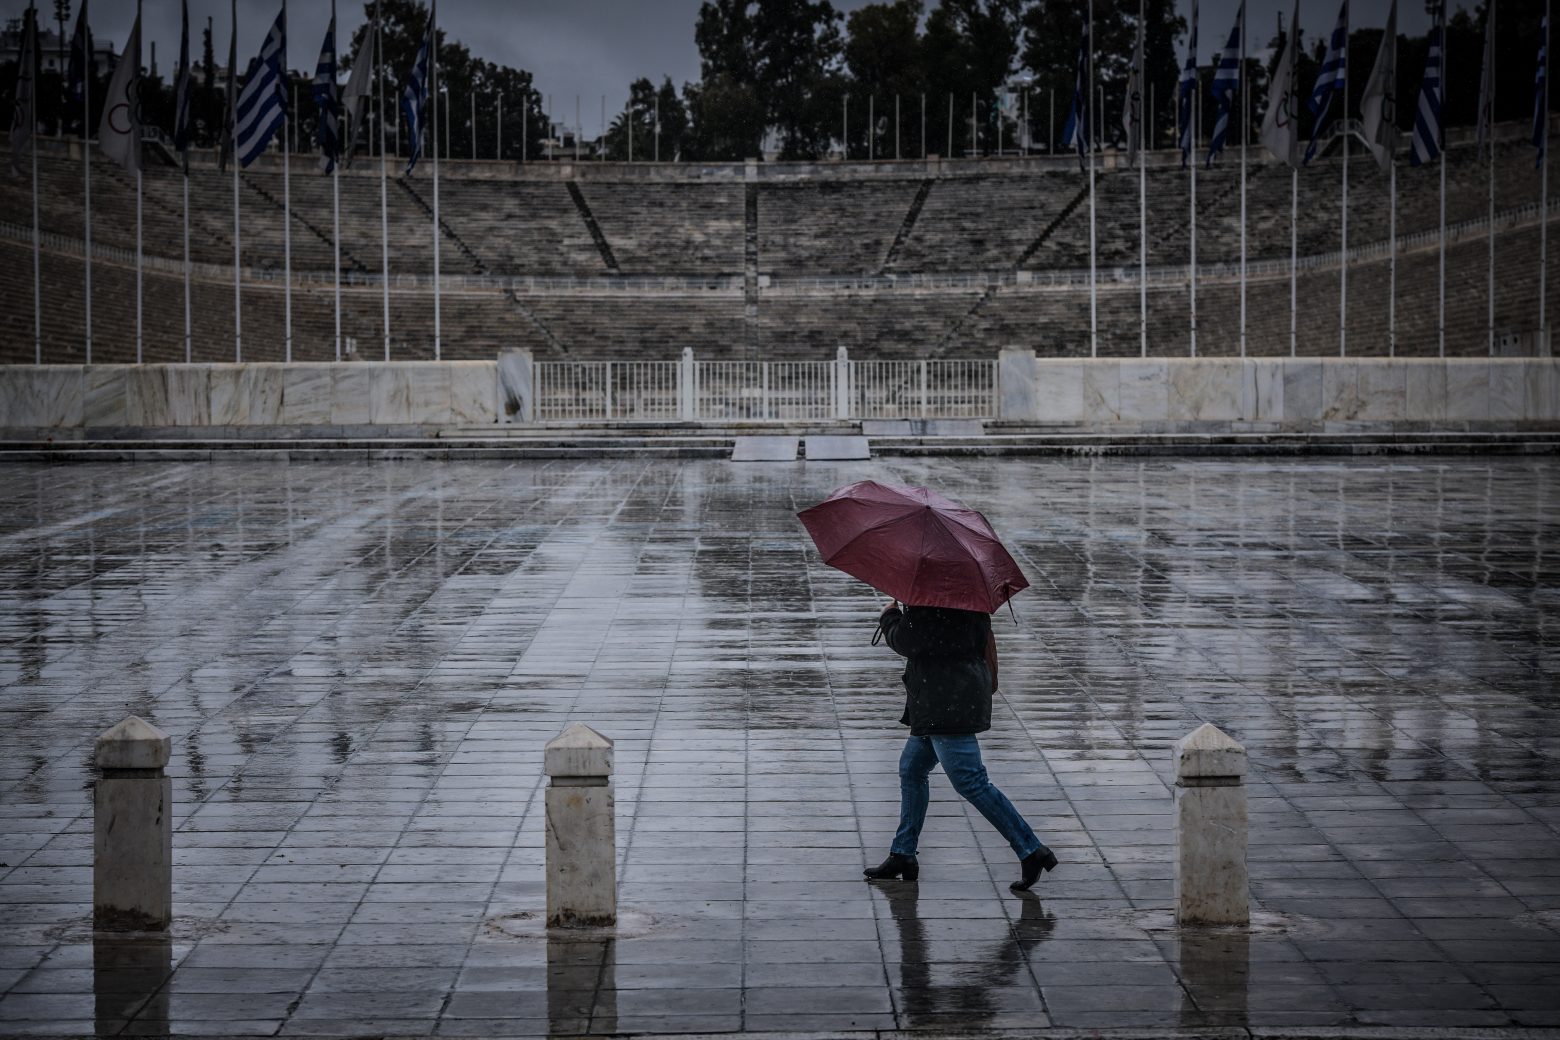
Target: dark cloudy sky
[584, 47]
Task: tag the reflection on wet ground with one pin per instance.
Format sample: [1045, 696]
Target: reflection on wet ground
[359, 666]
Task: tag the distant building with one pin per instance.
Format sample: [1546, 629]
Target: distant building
[49, 50]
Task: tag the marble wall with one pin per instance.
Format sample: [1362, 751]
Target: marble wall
[1263, 393]
[1297, 393]
[396, 393]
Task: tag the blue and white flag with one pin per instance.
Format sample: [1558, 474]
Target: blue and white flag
[1332, 79]
[80, 56]
[1076, 132]
[262, 104]
[1226, 82]
[1429, 130]
[325, 96]
[415, 97]
[1188, 90]
[181, 94]
[1540, 94]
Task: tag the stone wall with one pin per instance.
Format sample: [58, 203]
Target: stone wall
[1279, 392]
[397, 393]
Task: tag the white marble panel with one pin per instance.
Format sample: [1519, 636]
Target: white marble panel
[1508, 388]
[1543, 389]
[515, 377]
[1383, 389]
[1145, 389]
[390, 394]
[1267, 390]
[1017, 378]
[1424, 389]
[428, 392]
[1059, 390]
[105, 396]
[1340, 389]
[1467, 388]
[41, 396]
[1102, 389]
[188, 394]
[352, 393]
[473, 392]
[1205, 389]
[146, 397]
[1302, 390]
[247, 394]
[306, 394]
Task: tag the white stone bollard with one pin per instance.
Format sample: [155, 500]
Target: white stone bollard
[1210, 825]
[132, 830]
[581, 834]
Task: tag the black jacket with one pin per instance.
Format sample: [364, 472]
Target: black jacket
[947, 682]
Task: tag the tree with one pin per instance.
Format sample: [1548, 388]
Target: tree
[968, 51]
[781, 56]
[883, 58]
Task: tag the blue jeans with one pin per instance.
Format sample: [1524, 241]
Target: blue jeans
[960, 758]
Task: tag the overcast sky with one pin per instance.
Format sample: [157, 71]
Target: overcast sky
[584, 47]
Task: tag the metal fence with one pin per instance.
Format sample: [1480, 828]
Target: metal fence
[763, 391]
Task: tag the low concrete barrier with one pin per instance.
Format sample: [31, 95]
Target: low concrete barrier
[1282, 393]
[356, 393]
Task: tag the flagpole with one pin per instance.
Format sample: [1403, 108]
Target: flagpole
[1488, 74]
[384, 200]
[1543, 196]
[32, 146]
[1441, 133]
[138, 355]
[1245, 129]
[433, 143]
[1094, 310]
[1196, 143]
[335, 177]
[86, 168]
[1392, 258]
[1142, 194]
[238, 292]
[286, 207]
[1294, 245]
[187, 348]
[1343, 241]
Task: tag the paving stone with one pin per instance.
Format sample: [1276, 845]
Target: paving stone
[358, 667]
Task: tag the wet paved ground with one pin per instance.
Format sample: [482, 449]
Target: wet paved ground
[359, 666]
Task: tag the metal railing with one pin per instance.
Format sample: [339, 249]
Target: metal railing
[764, 391]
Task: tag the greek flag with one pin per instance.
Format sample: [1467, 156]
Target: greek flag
[415, 96]
[1188, 89]
[1076, 132]
[325, 98]
[80, 56]
[1226, 81]
[181, 97]
[1331, 81]
[262, 104]
[1429, 133]
[1540, 117]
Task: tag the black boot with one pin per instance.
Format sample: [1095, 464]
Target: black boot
[895, 866]
[1031, 866]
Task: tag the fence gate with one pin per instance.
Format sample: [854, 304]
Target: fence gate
[690, 390]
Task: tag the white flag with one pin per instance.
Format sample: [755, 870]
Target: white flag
[119, 131]
[1487, 78]
[1132, 113]
[1281, 126]
[360, 86]
[24, 116]
[1378, 108]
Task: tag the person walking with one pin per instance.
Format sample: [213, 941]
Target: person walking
[950, 676]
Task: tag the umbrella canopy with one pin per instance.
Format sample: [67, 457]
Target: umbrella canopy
[914, 545]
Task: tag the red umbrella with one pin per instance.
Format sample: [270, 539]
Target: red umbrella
[914, 545]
